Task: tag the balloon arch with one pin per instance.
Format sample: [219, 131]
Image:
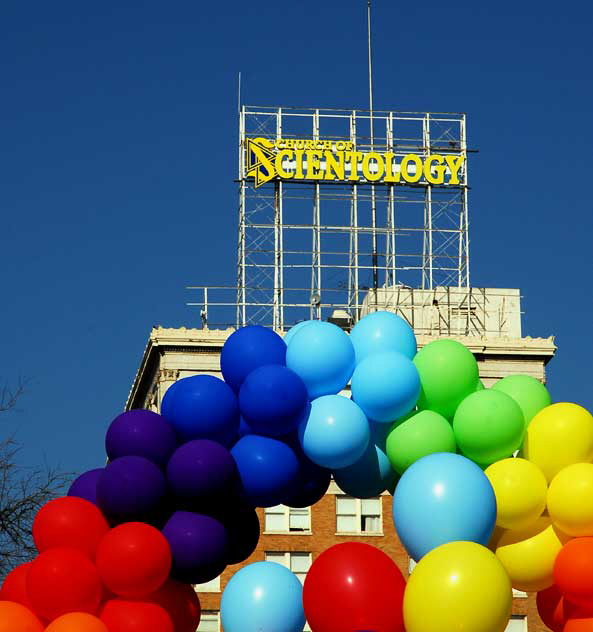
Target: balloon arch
[492, 490]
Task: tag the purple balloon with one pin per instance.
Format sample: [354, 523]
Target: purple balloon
[85, 486]
[198, 546]
[201, 469]
[141, 433]
[131, 488]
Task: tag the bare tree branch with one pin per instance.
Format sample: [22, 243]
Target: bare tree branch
[23, 491]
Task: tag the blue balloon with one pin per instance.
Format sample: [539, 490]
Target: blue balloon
[247, 349]
[443, 498]
[263, 597]
[382, 331]
[372, 474]
[386, 386]
[336, 433]
[268, 469]
[202, 407]
[273, 400]
[323, 356]
[292, 331]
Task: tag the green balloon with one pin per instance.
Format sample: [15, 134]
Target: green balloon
[448, 373]
[480, 386]
[488, 426]
[528, 392]
[419, 434]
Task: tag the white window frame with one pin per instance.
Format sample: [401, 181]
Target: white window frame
[213, 613]
[359, 515]
[520, 617]
[287, 562]
[519, 594]
[213, 586]
[286, 514]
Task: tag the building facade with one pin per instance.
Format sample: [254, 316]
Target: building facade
[294, 537]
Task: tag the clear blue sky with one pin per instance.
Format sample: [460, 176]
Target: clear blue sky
[110, 206]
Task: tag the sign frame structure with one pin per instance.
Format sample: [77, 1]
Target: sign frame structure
[331, 213]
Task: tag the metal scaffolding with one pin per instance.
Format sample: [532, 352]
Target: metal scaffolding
[309, 248]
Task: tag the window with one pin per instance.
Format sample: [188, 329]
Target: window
[520, 594]
[299, 563]
[518, 623]
[282, 519]
[411, 565]
[354, 515]
[212, 586]
[209, 621]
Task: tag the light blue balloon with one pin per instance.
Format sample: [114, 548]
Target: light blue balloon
[442, 498]
[323, 356]
[372, 474]
[292, 331]
[263, 597]
[386, 386]
[336, 432]
[382, 331]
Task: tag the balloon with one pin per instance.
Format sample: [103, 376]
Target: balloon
[262, 597]
[528, 554]
[63, 580]
[85, 486]
[458, 587]
[554, 610]
[201, 469]
[202, 407]
[371, 475]
[520, 489]
[448, 373]
[133, 559]
[442, 498]
[135, 616]
[242, 529]
[570, 499]
[559, 435]
[354, 586]
[292, 331]
[273, 400]
[417, 435]
[527, 391]
[385, 386]
[488, 426]
[181, 602]
[14, 587]
[131, 488]
[198, 545]
[268, 469]
[573, 571]
[140, 433]
[336, 433]
[247, 349]
[322, 355]
[71, 522]
[579, 624]
[78, 622]
[382, 331]
[14, 617]
[312, 481]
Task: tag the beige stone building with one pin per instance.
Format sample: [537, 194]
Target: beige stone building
[294, 537]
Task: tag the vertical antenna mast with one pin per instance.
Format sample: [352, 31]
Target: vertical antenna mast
[373, 200]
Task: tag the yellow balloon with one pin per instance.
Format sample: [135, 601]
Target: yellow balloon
[570, 499]
[458, 587]
[520, 489]
[559, 435]
[528, 554]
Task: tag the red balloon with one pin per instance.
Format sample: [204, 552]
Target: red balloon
[554, 610]
[354, 586]
[134, 560]
[63, 580]
[573, 571]
[70, 521]
[135, 616]
[181, 602]
[579, 625]
[14, 587]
